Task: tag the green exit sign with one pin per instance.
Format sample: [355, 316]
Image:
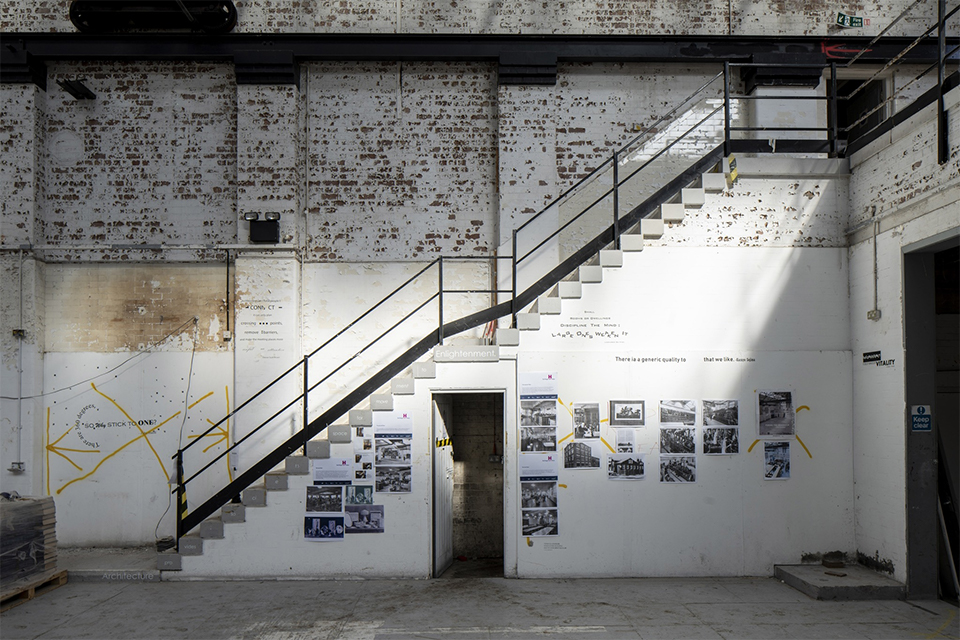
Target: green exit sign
[849, 22]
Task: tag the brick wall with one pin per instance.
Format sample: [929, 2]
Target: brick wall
[626, 17]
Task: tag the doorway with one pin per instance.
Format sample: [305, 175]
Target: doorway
[931, 321]
[468, 535]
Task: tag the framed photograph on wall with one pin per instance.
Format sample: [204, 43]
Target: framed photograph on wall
[627, 413]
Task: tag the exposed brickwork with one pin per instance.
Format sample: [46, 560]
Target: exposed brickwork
[402, 160]
[151, 160]
[20, 170]
[623, 17]
[269, 153]
[105, 307]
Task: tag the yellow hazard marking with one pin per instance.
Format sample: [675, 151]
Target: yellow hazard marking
[608, 445]
[752, 446]
[939, 631]
[444, 442]
[803, 445]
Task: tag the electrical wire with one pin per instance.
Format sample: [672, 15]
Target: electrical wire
[183, 422]
[148, 350]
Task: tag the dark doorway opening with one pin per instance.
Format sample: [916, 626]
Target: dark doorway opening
[474, 424]
[858, 98]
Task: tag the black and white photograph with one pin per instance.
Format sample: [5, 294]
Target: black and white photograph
[721, 413]
[324, 498]
[776, 460]
[679, 412]
[393, 451]
[626, 413]
[538, 439]
[359, 494]
[323, 528]
[626, 440]
[775, 413]
[581, 455]
[675, 440]
[538, 412]
[361, 474]
[586, 420]
[540, 522]
[626, 466]
[718, 441]
[538, 495]
[393, 479]
[364, 518]
[678, 468]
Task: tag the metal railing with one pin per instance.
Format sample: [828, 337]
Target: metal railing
[630, 185]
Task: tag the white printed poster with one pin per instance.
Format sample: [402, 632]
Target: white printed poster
[332, 471]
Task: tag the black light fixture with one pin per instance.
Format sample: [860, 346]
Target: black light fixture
[263, 231]
[77, 89]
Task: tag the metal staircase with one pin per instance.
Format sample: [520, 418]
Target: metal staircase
[644, 186]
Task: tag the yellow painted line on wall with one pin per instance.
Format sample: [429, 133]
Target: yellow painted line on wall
[562, 486]
[608, 445]
[803, 445]
[569, 435]
[142, 433]
[48, 452]
[802, 407]
[110, 455]
[605, 420]
[569, 410]
[201, 400]
[752, 446]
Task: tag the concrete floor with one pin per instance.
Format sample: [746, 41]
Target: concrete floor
[127, 607]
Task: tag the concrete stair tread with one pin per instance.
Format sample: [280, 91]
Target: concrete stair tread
[851, 582]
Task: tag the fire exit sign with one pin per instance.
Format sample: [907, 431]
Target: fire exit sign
[849, 22]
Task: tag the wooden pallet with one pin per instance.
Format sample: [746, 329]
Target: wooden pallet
[28, 589]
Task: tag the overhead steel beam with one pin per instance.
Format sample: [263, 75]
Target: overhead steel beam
[21, 53]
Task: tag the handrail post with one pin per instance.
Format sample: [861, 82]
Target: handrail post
[726, 108]
[440, 296]
[306, 405]
[181, 498]
[833, 113]
[616, 200]
[943, 151]
[513, 299]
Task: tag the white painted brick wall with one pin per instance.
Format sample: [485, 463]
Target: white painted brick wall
[624, 17]
[20, 170]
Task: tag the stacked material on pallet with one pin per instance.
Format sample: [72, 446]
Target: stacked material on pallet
[28, 538]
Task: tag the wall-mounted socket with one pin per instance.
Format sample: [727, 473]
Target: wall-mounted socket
[873, 314]
[227, 336]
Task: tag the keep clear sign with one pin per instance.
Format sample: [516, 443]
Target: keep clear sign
[920, 418]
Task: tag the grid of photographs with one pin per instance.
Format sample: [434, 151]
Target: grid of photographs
[393, 470]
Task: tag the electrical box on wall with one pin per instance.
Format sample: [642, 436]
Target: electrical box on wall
[265, 231]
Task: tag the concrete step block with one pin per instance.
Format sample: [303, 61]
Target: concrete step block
[528, 321]
[233, 512]
[381, 402]
[297, 465]
[191, 545]
[318, 448]
[341, 433]
[570, 289]
[169, 561]
[403, 387]
[548, 305]
[714, 182]
[591, 273]
[631, 242]
[360, 418]
[508, 337]
[275, 481]
[651, 228]
[254, 496]
[672, 211]
[426, 369]
[611, 258]
[211, 529]
[693, 197]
